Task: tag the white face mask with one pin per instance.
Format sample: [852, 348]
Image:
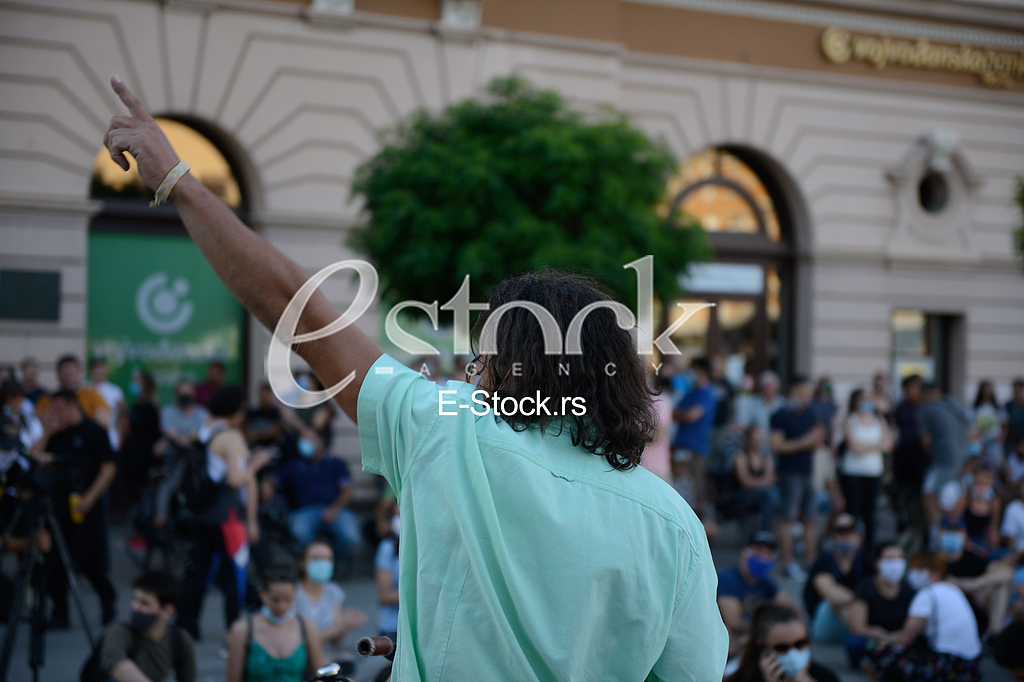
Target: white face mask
[793, 661]
[919, 578]
[892, 570]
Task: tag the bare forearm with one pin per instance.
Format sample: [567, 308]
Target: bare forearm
[104, 478]
[128, 671]
[260, 276]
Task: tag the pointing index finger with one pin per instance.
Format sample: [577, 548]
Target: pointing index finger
[129, 99]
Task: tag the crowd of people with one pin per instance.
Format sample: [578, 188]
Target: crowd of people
[790, 467]
[785, 467]
[226, 482]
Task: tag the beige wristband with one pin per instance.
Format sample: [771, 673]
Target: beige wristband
[172, 177]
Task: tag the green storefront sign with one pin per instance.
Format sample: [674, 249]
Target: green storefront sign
[155, 305]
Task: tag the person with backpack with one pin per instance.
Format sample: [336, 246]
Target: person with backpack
[147, 647]
[275, 644]
[214, 486]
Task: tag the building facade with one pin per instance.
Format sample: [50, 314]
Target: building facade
[853, 161]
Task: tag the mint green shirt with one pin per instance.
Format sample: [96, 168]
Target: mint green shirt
[523, 557]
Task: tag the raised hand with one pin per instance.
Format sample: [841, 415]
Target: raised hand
[139, 135]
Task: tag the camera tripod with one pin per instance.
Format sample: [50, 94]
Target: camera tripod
[41, 507]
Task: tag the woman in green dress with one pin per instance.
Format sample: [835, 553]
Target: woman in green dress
[274, 644]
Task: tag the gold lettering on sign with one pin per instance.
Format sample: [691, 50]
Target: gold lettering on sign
[994, 69]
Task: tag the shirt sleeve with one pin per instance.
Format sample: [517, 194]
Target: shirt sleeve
[397, 409]
[114, 648]
[384, 552]
[778, 422]
[922, 604]
[342, 474]
[185, 666]
[698, 642]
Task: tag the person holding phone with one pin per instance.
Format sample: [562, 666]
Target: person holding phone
[779, 649]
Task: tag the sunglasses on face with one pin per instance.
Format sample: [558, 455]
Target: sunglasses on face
[783, 648]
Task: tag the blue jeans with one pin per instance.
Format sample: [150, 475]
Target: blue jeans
[826, 627]
[305, 523]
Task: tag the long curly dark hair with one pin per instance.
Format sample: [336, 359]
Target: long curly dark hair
[609, 375]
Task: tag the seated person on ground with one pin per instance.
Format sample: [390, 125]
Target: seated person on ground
[320, 600]
[986, 583]
[829, 591]
[148, 646]
[939, 611]
[779, 649]
[1009, 650]
[881, 602]
[321, 488]
[1012, 532]
[981, 510]
[741, 588]
[755, 472]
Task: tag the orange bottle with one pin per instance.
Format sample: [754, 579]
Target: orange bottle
[73, 500]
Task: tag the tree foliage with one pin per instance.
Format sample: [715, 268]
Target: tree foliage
[516, 181]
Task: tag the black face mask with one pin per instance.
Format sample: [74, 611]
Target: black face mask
[184, 400]
[142, 621]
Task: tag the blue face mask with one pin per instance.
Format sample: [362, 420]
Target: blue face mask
[277, 620]
[951, 542]
[759, 568]
[306, 448]
[845, 547]
[867, 406]
[320, 570]
[793, 661]
[974, 448]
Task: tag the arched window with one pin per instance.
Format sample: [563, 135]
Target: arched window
[740, 207]
[208, 164]
[154, 304]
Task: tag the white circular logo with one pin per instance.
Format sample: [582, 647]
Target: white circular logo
[160, 307]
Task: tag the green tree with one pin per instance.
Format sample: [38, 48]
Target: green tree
[513, 182]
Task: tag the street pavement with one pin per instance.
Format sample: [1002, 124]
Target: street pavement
[65, 651]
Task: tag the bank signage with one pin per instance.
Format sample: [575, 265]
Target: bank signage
[994, 69]
[155, 305]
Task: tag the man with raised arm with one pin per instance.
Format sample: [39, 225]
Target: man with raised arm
[533, 546]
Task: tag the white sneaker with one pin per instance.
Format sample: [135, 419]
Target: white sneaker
[794, 572]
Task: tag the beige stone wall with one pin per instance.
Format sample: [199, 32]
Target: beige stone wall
[302, 101]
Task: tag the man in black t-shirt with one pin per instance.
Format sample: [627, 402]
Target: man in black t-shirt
[828, 593]
[77, 452]
[795, 433]
[986, 583]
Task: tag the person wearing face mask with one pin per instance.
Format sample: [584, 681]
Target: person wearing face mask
[881, 602]
[986, 583]
[148, 646]
[950, 649]
[182, 420]
[321, 601]
[779, 649]
[829, 591]
[320, 487]
[862, 466]
[981, 510]
[743, 586]
[275, 644]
